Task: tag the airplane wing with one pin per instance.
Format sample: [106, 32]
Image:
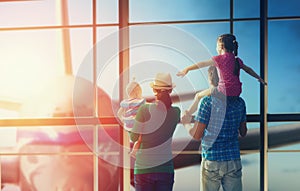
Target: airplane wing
[279, 136]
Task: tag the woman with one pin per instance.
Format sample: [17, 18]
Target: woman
[156, 123]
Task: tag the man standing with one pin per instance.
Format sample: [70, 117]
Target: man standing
[219, 122]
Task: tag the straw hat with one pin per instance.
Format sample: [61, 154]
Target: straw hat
[163, 81]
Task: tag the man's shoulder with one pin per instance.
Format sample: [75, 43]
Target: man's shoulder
[145, 105]
[207, 98]
[206, 102]
[240, 101]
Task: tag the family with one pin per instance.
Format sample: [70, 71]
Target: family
[218, 123]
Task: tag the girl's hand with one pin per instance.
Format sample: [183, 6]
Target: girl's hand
[262, 81]
[182, 73]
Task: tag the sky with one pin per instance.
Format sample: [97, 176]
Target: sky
[30, 58]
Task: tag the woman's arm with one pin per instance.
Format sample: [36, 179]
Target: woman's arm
[135, 133]
[198, 65]
[120, 114]
[252, 73]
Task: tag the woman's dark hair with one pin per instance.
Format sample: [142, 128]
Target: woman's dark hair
[164, 97]
[231, 45]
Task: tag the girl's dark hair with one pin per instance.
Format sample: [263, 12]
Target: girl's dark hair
[231, 45]
[213, 75]
[164, 97]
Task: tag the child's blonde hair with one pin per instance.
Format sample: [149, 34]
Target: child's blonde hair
[133, 89]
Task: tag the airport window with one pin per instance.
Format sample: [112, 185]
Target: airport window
[63, 70]
[281, 35]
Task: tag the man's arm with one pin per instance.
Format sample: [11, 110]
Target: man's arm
[197, 130]
[243, 129]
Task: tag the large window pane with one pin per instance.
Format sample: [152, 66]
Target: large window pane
[46, 172]
[250, 170]
[80, 11]
[170, 10]
[80, 45]
[279, 8]
[29, 13]
[31, 155]
[107, 74]
[284, 136]
[247, 34]
[187, 178]
[13, 139]
[29, 59]
[284, 171]
[249, 146]
[107, 11]
[284, 67]
[246, 9]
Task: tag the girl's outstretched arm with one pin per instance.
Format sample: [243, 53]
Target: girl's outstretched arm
[251, 72]
[198, 65]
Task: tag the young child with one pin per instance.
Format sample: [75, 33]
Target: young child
[213, 79]
[129, 108]
[228, 65]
